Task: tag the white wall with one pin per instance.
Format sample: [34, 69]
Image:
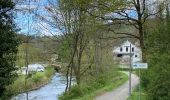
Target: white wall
[137, 54]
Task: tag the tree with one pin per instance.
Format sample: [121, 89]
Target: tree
[128, 12]
[155, 80]
[8, 44]
[158, 83]
[76, 32]
[76, 23]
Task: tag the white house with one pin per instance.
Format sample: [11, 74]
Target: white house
[122, 53]
[33, 67]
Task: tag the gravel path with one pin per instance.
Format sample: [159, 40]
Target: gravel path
[122, 92]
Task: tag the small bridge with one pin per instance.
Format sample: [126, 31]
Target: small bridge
[57, 67]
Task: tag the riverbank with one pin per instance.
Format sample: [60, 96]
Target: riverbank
[34, 81]
[51, 91]
[90, 91]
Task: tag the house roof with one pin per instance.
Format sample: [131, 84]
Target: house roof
[127, 42]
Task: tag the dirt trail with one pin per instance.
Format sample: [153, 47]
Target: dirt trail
[122, 92]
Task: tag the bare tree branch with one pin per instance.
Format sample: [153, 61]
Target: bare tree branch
[124, 33]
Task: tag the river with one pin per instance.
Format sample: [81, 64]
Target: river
[51, 91]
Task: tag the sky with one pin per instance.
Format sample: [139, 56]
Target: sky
[28, 21]
[37, 26]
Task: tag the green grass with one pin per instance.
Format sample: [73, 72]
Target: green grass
[106, 88]
[90, 91]
[135, 94]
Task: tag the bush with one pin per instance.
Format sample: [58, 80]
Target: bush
[38, 77]
[159, 81]
[156, 79]
[49, 71]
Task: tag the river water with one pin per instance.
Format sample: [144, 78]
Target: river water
[51, 91]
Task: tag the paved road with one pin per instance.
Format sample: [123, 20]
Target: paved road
[121, 93]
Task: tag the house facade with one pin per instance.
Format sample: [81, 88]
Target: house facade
[122, 53]
[33, 68]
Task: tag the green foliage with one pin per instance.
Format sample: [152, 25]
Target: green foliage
[40, 49]
[49, 71]
[14, 88]
[36, 80]
[8, 45]
[64, 50]
[135, 94]
[98, 85]
[159, 82]
[155, 79]
[35, 54]
[38, 77]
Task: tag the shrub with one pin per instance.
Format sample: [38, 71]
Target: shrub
[158, 82]
[49, 71]
[37, 77]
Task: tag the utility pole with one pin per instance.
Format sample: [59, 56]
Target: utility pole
[130, 69]
[26, 51]
[139, 87]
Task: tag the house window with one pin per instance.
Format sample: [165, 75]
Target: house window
[121, 49]
[136, 56]
[126, 49]
[132, 49]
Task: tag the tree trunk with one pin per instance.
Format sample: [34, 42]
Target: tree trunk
[71, 71]
[142, 45]
[67, 76]
[79, 65]
[96, 58]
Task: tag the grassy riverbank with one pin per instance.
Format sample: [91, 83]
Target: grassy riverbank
[97, 87]
[34, 81]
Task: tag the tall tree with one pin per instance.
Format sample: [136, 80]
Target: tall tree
[8, 44]
[72, 22]
[128, 12]
[77, 25]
